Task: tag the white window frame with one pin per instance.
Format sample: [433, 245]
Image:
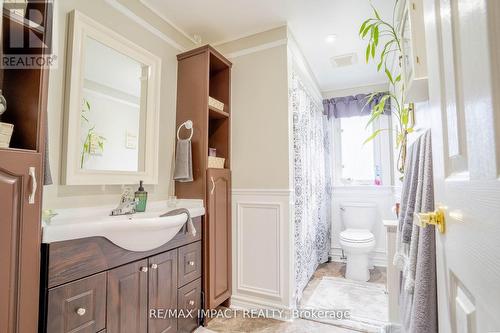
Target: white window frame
[382, 153]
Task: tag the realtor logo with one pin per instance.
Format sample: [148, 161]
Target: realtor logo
[27, 35]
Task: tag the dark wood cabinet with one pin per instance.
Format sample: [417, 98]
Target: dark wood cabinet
[204, 73]
[189, 303]
[218, 237]
[189, 263]
[163, 291]
[128, 298]
[19, 241]
[78, 307]
[93, 286]
[21, 170]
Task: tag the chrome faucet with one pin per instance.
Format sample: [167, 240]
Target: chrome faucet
[127, 203]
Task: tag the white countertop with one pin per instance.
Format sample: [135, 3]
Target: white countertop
[390, 225]
[74, 223]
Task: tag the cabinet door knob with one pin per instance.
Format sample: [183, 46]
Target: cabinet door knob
[154, 266]
[144, 269]
[191, 302]
[81, 311]
[191, 263]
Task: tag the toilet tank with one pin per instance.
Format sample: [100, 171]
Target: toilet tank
[358, 215]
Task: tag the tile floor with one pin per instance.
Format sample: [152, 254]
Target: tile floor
[265, 325]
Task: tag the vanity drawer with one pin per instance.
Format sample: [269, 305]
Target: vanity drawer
[189, 263]
[78, 306]
[189, 299]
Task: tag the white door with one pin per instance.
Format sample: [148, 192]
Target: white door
[463, 52]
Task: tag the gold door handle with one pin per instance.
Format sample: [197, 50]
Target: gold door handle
[436, 218]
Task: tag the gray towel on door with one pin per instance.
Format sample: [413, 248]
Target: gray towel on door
[424, 310]
[418, 298]
[406, 219]
[183, 171]
[408, 194]
[411, 263]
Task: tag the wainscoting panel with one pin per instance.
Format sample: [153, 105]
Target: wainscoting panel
[262, 266]
[259, 226]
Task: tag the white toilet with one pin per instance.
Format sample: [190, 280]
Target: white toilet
[356, 239]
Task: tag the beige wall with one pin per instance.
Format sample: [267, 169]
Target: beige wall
[260, 137]
[60, 196]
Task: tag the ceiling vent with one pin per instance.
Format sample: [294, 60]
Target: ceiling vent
[344, 60]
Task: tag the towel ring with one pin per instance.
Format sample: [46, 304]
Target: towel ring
[189, 125]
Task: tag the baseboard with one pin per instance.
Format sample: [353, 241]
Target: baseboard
[378, 258]
[239, 302]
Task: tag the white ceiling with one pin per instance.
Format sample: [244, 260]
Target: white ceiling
[309, 20]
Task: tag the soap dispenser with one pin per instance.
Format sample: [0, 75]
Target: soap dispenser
[141, 198]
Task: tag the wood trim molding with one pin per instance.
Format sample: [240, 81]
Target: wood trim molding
[248, 34]
[150, 6]
[259, 192]
[258, 48]
[139, 20]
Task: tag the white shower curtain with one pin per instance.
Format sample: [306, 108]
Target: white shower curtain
[312, 183]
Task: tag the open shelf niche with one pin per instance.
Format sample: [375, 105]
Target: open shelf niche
[218, 121]
[21, 87]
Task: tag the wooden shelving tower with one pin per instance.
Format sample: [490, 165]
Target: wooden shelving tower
[21, 165]
[204, 72]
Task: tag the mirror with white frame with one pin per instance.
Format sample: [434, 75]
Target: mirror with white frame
[112, 105]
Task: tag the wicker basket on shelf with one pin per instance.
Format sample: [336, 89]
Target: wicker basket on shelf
[216, 162]
[5, 134]
[218, 105]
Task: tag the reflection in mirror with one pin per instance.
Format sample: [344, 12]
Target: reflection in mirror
[113, 110]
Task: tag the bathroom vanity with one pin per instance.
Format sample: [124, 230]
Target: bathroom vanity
[91, 284]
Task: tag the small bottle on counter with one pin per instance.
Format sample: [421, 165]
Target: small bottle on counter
[141, 198]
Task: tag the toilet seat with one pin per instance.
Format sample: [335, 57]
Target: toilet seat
[357, 236]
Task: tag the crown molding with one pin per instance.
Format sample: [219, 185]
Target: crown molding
[258, 48]
[248, 34]
[142, 22]
[150, 6]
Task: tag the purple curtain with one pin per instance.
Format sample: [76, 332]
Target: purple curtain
[352, 106]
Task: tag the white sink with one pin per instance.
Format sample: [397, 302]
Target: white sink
[137, 232]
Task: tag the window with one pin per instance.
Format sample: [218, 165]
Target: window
[357, 158]
[359, 163]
